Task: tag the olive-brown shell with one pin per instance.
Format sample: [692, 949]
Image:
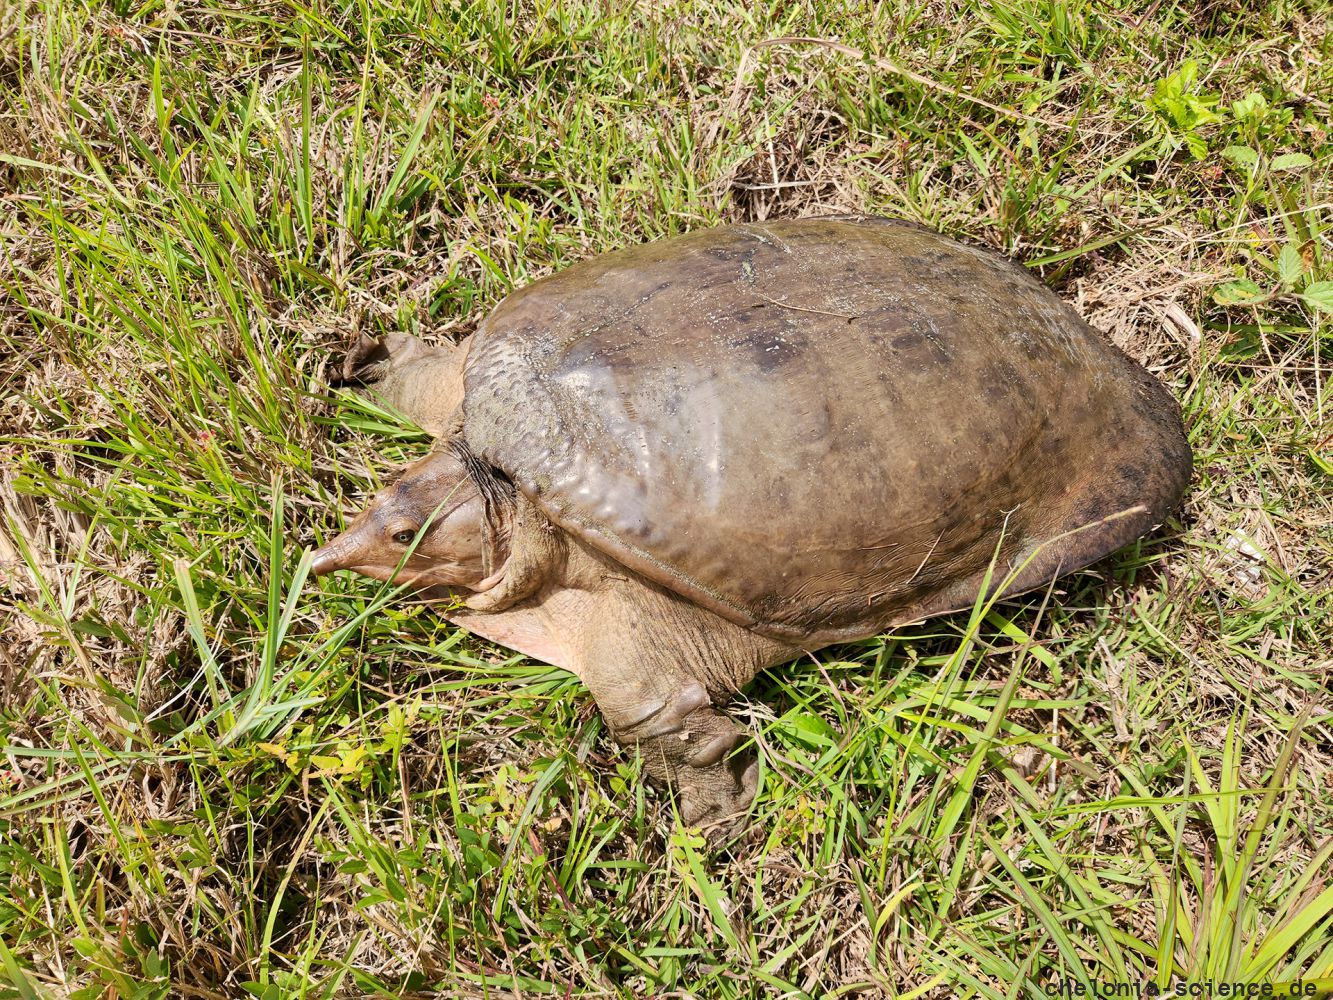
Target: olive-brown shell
[825, 427]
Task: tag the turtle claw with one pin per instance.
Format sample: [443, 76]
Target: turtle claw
[686, 741]
[371, 358]
[714, 750]
[662, 718]
[718, 810]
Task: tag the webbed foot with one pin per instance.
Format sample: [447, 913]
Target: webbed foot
[689, 743]
[718, 807]
[652, 719]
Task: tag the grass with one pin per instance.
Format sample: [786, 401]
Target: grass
[220, 778]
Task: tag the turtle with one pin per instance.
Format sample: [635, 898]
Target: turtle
[669, 467]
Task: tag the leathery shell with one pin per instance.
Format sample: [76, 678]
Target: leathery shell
[825, 427]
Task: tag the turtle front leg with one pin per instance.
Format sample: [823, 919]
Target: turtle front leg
[685, 741]
[657, 667]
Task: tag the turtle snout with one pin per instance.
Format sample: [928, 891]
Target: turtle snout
[330, 557]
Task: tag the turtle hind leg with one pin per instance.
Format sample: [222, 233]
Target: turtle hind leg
[371, 357]
[423, 383]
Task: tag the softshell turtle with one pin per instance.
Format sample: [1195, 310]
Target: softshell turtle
[669, 467]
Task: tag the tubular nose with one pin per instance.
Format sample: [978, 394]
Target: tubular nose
[327, 558]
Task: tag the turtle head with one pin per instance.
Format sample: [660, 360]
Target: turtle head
[429, 528]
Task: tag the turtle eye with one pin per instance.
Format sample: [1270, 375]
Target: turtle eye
[404, 537]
